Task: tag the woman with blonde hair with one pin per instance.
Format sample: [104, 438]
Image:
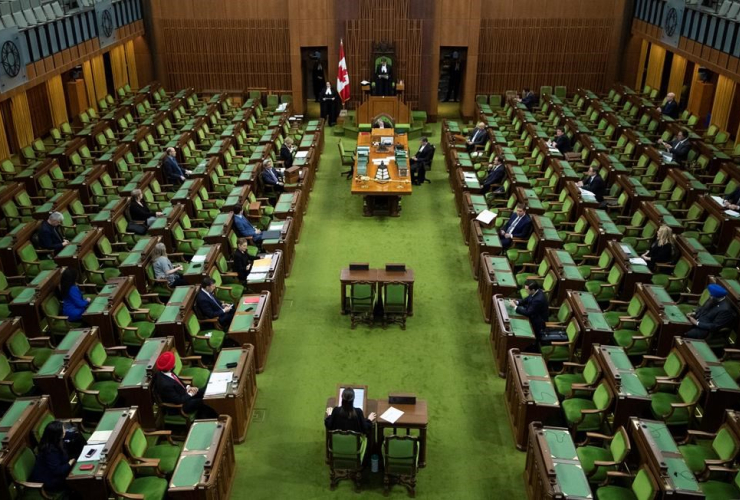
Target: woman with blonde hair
[163, 268]
[662, 249]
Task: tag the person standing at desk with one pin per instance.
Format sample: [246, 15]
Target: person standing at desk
[328, 104]
[594, 184]
[518, 226]
[286, 152]
[346, 417]
[534, 307]
[383, 77]
[662, 250]
[52, 462]
[714, 315]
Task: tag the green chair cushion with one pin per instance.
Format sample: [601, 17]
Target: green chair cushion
[615, 493]
[22, 384]
[108, 395]
[167, 455]
[648, 374]
[120, 364]
[717, 490]
[696, 454]
[155, 310]
[153, 488]
[573, 407]
[661, 405]
[201, 347]
[565, 381]
[40, 355]
[733, 368]
[199, 376]
[145, 330]
[590, 454]
[623, 338]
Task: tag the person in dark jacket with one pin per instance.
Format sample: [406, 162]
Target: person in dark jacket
[732, 201]
[518, 226]
[670, 108]
[478, 136]
[173, 173]
[244, 229]
[73, 303]
[210, 307]
[529, 99]
[715, 314]
[593, 183]
[52, 462]
[49, 234]
[242, 261]
[139, 210]
[662, 250]
[534, 307]
[347, 417]
[420, 160]
[271, 177]
[172, 390]
[679, 147]
[286, 152]
[561, 141]
[496, 175]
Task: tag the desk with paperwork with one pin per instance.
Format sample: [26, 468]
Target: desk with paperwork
[268, 275]
[252, 324]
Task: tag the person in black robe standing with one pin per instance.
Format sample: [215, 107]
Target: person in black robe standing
[329, 100]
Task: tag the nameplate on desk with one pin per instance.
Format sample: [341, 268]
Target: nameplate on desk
[359, 267]
[396, 268]
[402, 399]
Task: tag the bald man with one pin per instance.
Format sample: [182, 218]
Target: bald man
[670, 108]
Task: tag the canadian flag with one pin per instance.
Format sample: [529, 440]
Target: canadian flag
[342, 75]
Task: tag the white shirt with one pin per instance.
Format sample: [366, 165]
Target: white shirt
[328, 91]
[421, 148]
[513, 225]
[383, 69]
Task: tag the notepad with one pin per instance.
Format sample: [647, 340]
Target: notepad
[638, 260]
[261, 265]
[301, 154]
[98, 437]
[198, 259]
[91, 453]
[732, 213]
[719, 200]
[391, 415]
[486, 216]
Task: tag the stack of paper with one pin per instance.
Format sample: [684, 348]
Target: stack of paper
[301, 154]
[262, 265]
[719, 200]
[218, 383]
[99, 437]
[198, 259]
[732, 213]
[486, 216]
[391, 415]
[638, 260]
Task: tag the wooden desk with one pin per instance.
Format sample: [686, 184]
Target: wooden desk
[494, 278]
[241, 393]
[608, 231]
[611, 167]
[471, 206]
[252, 324]
[691, 186]
[547, 236]
[285, 242]
[27, 304]
[509, 330]
[138, 259]
[186, 193]
[172, 321]
[632, 274]
[291, 205]
[377, 276]
[552, 468]
[220, 232]
[582, 200]
[100, 311]
[632, 398]
[162, 226]
[483, 239]
[382, 196]
[658, 450]
[727, 223]
[720, 391]
[464, 182]
[12, 242]
[237, 200]
[108, 215]
[202, 264]
[636, 192]
[703, 263]
[79, 246]
[208, 449]
[530, 395]
[591, 322]
[659, 214]
[273, 280]
[530, 199]
[566, 272]
[415, 417]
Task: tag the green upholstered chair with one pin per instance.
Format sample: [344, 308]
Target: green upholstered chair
[677, 282]
[112, 257]
[545, 90]
[678, 408]
[345, 451]
[58, 325]
[609, 456]
[130, 332]
[402, 128]
[192, 370]
[643, 487]
[637, 342]
[724, 490]
[124, 484]
[13, 383]
[481, 99]
[273, 101]
[731, 362]
[126, 239]
[560, 352]
[617, 318]
[542, 269]
[346, 157]
[660, 374]
[395, 299]
[561, 92]
[575, 376]
[20, 469]
[109, 362]
[494, 100]
[364, 127]
[95, 273]
[228, 286]
[156, 449]
[400, 462]
[579, 246]
[30, 261]
[147, 307]
[599, 270]
[704, 449]
[94, 396]
[706, 235]
[521, 256]
[185, 245]
[204, 342]
[584, 414]
[160, 287]
[606, 291]
[30, 353]
[361, 302]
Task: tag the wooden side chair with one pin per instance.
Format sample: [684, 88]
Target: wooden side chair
[400, 461]
[361, 302]
[345, 451]
[395, 299]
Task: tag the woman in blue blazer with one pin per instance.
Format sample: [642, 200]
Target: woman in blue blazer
[73, 303]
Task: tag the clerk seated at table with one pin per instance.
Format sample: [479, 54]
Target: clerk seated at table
[534, 306]
[52, 462]
[594, 184]
[495, 176]
[662, 250]
[478, 136]
[716, 314]
[244, 229]
[210, 307]
[732, 200]
[172, 390]
[49, 234]
[518, 226]
[420, 161]
[241, 260]
[271, 177]
[561, 141]
[679, 147]
[286, 152]
[346, 417]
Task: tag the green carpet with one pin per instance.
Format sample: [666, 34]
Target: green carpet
[443, 356]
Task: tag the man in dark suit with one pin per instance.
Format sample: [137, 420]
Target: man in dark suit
[383, 78]
[593, 183]
[210, 307]
[534, 307]
[271, 177]
[670, 108]
[318, 76]
[455, 76]
[529, 99]
[518, 226]
[173, 173]
[715, 314]
[678, 147]
[173, 390]
[328, 101]
[286, 152]
[49, 234]
[244, 229]
[496, 175]
[420, 161]
[478, 136]
[561, 141]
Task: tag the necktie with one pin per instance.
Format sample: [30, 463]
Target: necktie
[216, 301]
[174, 377]
[475, 136]
[513, 225]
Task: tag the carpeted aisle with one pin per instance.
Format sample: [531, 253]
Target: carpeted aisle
[443, 356]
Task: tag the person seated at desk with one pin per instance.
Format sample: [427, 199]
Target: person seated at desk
[518, 226]
[534, 306]
[662, 250]
[286, 152]
[495, 176]
[244, 229]
[50, 236]
[670, 107]
[594, 184]
[714, 315]
[172, 390]
[379, 123]
[163, 268]
[478, 136]
[172, 171]
[561, 141]
[732, 201]
[271, 177]
[73, 303]
[420, 161]
[346, 417]
[679, 147]
[52, 461]
[210, 307]
[241, 260]
[139, 210]
[529, 99]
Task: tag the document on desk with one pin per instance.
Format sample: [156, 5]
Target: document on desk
[470, 176]
[719, 200]
[301, 154]
[197, 259]
[91, 453]
[732, 213]
[98, 437]
[486, 217]
[638, 260]
[391, 415]
[218, 383]
[262, 265]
